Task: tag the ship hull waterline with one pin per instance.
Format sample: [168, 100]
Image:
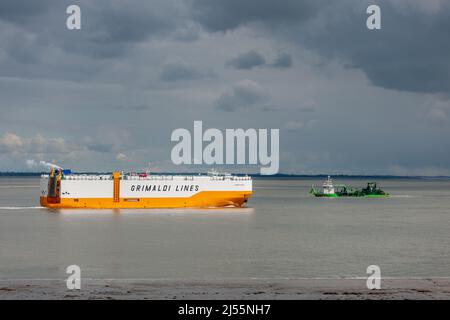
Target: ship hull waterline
[204, 199]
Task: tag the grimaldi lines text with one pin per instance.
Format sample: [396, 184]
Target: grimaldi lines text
[62, 189]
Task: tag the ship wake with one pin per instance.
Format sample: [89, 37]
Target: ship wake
[19, 208]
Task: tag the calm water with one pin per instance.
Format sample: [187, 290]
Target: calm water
[283, 233]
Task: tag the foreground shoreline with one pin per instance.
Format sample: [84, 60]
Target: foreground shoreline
[246, 289]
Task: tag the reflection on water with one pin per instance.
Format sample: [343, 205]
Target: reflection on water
[210, 212]
[282, 233]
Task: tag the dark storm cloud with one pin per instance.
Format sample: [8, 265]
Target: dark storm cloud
[409, 53]
[284, 60]
[108, 28]
[114, 90]
[253, 59]
[247, 60]
[23, 11]
[219, 15]
[36, 44]
[109, 22]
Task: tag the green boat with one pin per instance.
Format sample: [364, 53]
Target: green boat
[372, 191]
[341, 190]
[327, 190]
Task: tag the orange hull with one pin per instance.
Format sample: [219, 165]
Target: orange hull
[202, 199]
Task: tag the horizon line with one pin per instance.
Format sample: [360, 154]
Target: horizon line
[293, 175]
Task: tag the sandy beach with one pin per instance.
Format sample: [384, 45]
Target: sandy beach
[247, 289]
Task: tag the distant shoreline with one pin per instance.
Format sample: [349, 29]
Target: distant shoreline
[276, 176]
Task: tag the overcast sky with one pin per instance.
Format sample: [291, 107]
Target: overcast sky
[346, 99]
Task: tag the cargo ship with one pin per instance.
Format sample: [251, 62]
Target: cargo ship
[63, 189]
[341, 190]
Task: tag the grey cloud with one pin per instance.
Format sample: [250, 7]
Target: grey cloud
[37, 45]
[132, 108]
[299, 125]
[112, 29]
[247, 60]
[333, 29]
[188, 32]
[437, 116]
[253, 59]
[108, 29]
[22, 11]
[177, 71]
[104, 81]
[245, 93]
[409, 53]
[134, 23]
[284, 60]
[100, 147]
[18, 45]
[218, 15]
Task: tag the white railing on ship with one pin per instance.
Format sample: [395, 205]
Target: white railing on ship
[88, 177]
[234, 178]
[156, 177]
